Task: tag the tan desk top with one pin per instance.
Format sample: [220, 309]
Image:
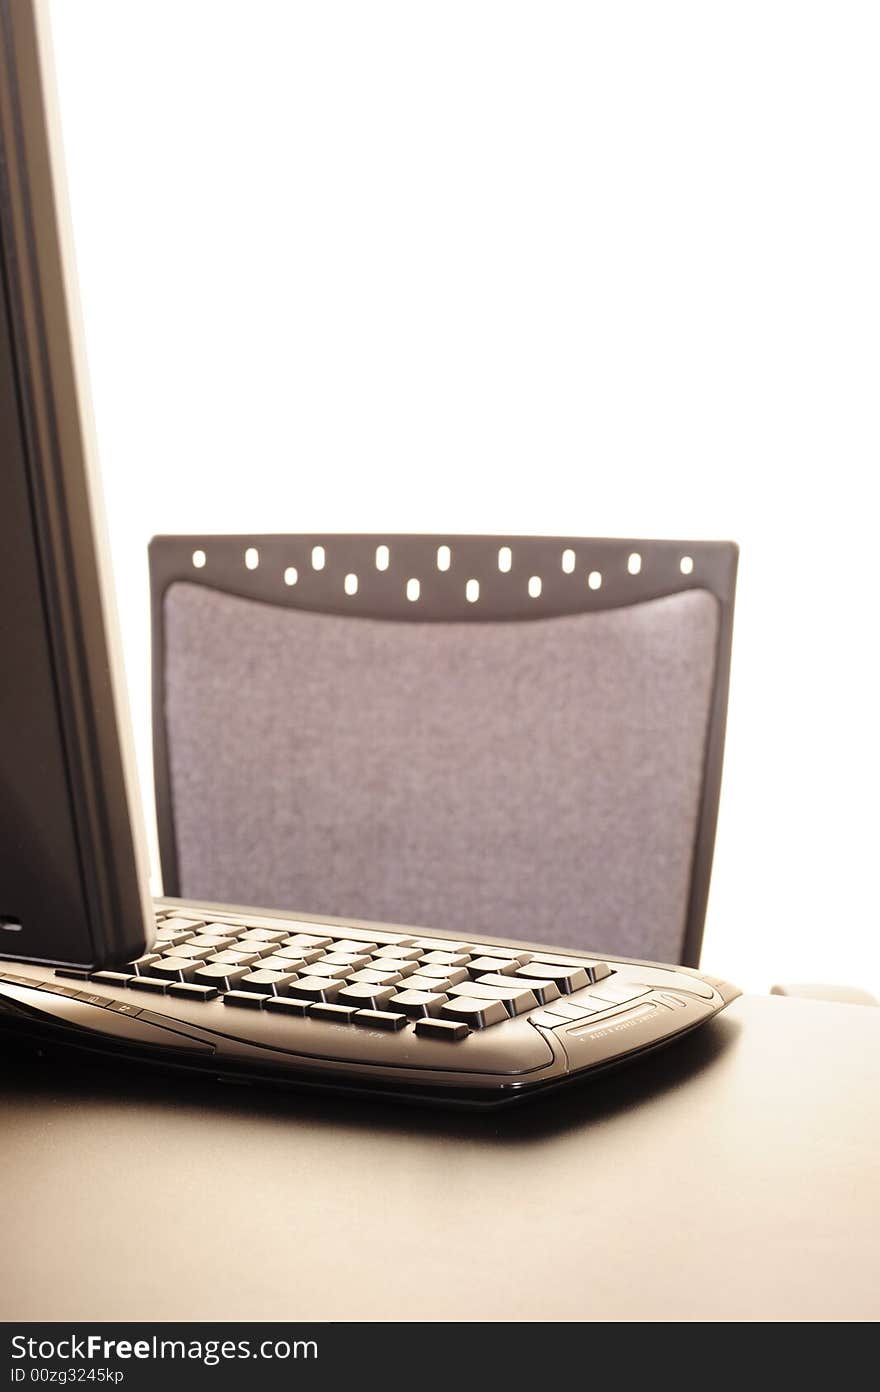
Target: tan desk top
[735, 1175]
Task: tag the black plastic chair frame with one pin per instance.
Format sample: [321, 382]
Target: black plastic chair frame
[436, 578]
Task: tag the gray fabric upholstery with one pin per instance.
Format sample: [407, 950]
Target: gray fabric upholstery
[539, 780]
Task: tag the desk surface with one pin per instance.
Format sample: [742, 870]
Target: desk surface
[732, 1176]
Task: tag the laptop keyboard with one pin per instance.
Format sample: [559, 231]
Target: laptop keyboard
[372, 978]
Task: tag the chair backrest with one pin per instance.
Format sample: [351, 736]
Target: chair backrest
[487, 735]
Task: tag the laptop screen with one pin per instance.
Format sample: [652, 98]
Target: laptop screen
[73, 870]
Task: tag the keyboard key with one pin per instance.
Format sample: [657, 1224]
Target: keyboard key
[478, 1014]
[399, 964]
[267, 983]
[112, 978]
[246, 1000]
[195, 954]
[142, 965]
[429, 983]
[306, 941]
[279, 964]
[595, 970]
[380, 1019]
[505, 965]
[416, 1003]
[173, 968]
[314, 988]
[328, 969]
[545, 991]
[187, 991]
[233, 957]
[298, 954]
[567, 978]
[377, 978]
[358, 949]
[366, 997]
[90, 997]
[399, 951]
[219, 974]
[178, 924]
[252, 950]
[166, 937]
[442, 1029]
[217, 944]
[437, 972]
[263, 935]
[341, 1014]
[246, 923]
[354, 961]
[286, 1005]
[148, 983]
[544, 1017]
[517, 999]
[447, 959]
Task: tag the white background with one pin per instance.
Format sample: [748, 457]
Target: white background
[608, 269]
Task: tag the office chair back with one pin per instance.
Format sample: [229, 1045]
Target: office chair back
[518, 736]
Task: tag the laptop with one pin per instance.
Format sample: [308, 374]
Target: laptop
[88, 961]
